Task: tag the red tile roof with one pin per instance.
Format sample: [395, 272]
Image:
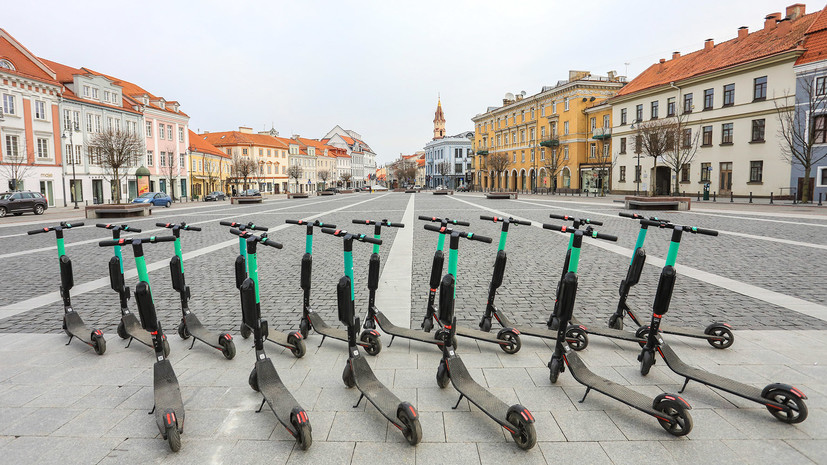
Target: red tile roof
[135, 92]
[198, 143]
[228, 138]
[65, 75]
[815, 40]
[759, 44]
[24, 66]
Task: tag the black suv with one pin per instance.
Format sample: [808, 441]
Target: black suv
[21, 202]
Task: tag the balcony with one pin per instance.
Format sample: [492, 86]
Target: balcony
[550, 142]
[602, 133]
[482, 152]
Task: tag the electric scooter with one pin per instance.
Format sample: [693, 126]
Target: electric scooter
[289, 341]
[516, 419]
[436, 270]
[129, 326]
[718, 335]
[169, 406]
[784, 402]
[73, 324]
[357, 372]
[190, 324]
[671, 411]
[508, 339]
[310, 319]
[264, 378]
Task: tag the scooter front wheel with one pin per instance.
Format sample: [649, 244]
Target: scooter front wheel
[183, 333]
[245, 331]
[347, 376]
[122, 331]
[525, 436]
[554, 370]
[647, 359]
[304, 327]
[253, 379]
[411, 428]
[442, 376]
[173, 438]
[427, 324]
[166, 347]
[615, 322]
[485, 324]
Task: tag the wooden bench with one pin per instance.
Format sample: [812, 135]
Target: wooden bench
[246, 199]
[501, 195]
[410, 191]
[297, 195]
[444, 192]
[658, 203]
[325, 193]
[115, 211]
[346, 191]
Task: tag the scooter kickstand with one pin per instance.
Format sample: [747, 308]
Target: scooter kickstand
[588, 389]
[322, 342]
[261, 406]
[193, 343]
[684, 386]
[458, 401]
[70, 340]
[129, 343]
[392, 338]
[153, 410]
[361, 396]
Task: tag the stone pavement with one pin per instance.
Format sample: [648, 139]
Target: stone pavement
[66, 405]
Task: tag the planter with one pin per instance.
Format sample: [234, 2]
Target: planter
[118, 211]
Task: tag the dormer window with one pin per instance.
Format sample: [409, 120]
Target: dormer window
[6, 64]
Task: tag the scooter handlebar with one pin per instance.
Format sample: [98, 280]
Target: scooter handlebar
[571, 218]
[636, 216]
[691, 229]
[270, 242]
[183, 226]
[467, 235]
[435, 219]
[358, 237]
[496, 219]
[63, 225]
[569, 229]
[381, 223]
[122, 226]
[151, 240]
[234, 224]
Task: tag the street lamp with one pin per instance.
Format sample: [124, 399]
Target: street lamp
[637, 167]
[68, 135]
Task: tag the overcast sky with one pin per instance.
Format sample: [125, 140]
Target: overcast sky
[372, 66]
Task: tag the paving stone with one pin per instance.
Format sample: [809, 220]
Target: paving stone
[471, 427]
[373, 452]
[251, 452]
[587, 426]
[637, 452]
[584, 452]
[813, 450]
[324, 452]
[774, 451]
[448, 454]
[508, 453]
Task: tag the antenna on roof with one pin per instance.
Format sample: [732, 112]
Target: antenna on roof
[626, 70]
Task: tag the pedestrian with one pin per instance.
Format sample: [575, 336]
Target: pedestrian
[234, 192]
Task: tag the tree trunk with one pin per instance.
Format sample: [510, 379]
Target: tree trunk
[805, 185]
[117, 198]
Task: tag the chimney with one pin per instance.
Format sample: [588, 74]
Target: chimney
[785, 26]
[795, 11]
[770, 20]
[709, 44]
[743, 31]
[676, 55]
[245, 130]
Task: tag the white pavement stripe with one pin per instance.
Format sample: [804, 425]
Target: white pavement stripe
[771, 297]
[150, 231]
[778, 215]
[731, 233]
[51, 297]
[394, 296]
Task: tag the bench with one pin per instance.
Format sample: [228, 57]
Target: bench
[501, 195]
[325, 193]
[297, 195]
[246, 199]
[444, 192]
[114, 211]
[410, 191]
[346, 191]
[658, 203]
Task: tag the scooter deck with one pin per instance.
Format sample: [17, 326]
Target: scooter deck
[586, 377]
[324, 329]
[76, 326]
[479, 335]
[490, 404]
[377, 393]
[407, 333]
[677, 330]
[134, 329]
[167, 394]
[608, 332]
[200, 332]
[710, 379]
[278, 397]
[546, 333]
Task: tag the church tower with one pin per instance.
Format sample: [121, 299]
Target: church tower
[439, 121]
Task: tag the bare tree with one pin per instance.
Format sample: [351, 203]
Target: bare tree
[553, 164]
[295, 172]
[498, 163]
[346, 177]
[242, 168]
[654, 138]
[801, 126]
[405, 171]
[16, 167]
[117, 150]
[323, 175]
[443, 168]
[212, 173]
[170, 170]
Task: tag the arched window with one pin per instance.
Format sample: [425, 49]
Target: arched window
[6, 64]
[566, 177]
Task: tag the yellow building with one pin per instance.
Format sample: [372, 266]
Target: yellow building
[547, 138]
[266, 148]
[210, 166]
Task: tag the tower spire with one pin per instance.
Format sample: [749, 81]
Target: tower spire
[439, 120]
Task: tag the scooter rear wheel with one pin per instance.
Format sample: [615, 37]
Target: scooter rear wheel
[412, 430]
[299, 348]
[173, 437]
[373, 345]
[798, 409]
[304, 438]
[719, 331]
[513, 340]
[525, 435]
[99, 344]
[681, 423]
[227, 347]
[577, 338]
[642, 333]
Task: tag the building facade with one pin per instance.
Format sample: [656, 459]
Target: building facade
[268, 150]
[209, 166]
[30, 144]
[726, 96]
[546, 138]
[448, 161]
[362, 157]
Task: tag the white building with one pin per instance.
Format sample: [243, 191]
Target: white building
[363, 159]
[448, 161]
[727, 95]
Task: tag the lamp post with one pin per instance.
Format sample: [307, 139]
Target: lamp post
[637, 167]
[67, 135]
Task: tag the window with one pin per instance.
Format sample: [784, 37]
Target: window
[757, 130]
[106, 96]
[261, 152]
[160, 131]
[566, 104]
[194, 165]
[638, 143]
[622, 116]
[244, 151]
[542, 134]
[706, 168]
[180, 134]
[542, 154]
[85, 91]
[149, 157]
[654, 110]
[822, 178]
[98, 123]
[592, 123]
[95, 92]
[622, 145]
[8, 104]
[149, 129]
[522, 156]
[821, 86]
[76, 120]
[522, 116]
[685, 172]
[566, 152]
[639, 113]
[729, 95]
[622, 174]
[531, 134]
[760, 88]
[162, 159]
[542, 110]
[709, 95]
[553, 107]
[169, 131]
[67, 119]
[12, 149]
[565, 128]
[687, 103]
[39, 109]
[726, 133]
[670, 106]
[182, 159]
[110, 122]
[592, 150]
[820, 129]
[607, 121]
[756, 171]
[42, 148]
[606, 149]
[707, 136]
[637, 173]
[78, 154]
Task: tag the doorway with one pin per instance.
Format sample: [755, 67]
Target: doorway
[725, 185]
[97, 191]
[663, 176]
[133, 189]
[47, 191]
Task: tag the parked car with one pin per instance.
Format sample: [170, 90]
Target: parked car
[159, 199]
[377, 188]
[251, 193]
[18, 203]
[214, 196]
[462, 189]
[335, 190]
